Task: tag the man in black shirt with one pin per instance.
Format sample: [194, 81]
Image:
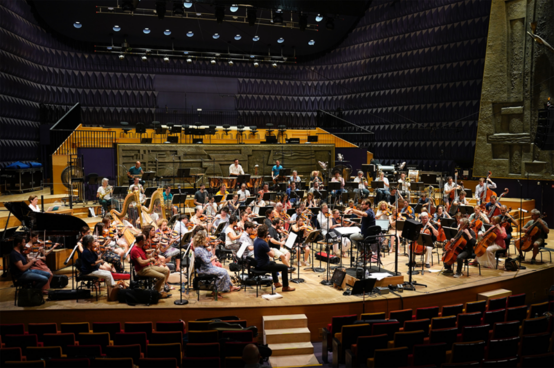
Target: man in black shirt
[200, 197]
[90, 263]
[368, 220]
[277, 242]
[21, 268]
[262, 252]
[469, 236]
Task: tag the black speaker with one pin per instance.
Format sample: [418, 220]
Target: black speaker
[412, 229]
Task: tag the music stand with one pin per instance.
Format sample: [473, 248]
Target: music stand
[181, 301]
[291, 211]
[243, 179]
[363, 286]
[220, 228]
[282, 187]
[377, 184]
[179, 199]
[466, 210]
[148, 176]
[149, 191]
[448, 222]
[427, 241]
[249, 200]
[267, 196]
[218, 198]
[334, 186]
[450, 232]
[284, 172]
[400, 227]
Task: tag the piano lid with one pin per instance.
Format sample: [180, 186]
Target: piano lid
[52, 223]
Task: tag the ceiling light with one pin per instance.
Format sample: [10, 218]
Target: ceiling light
[234, 8]
[185, 52]
[144, 58]
[212, 61]
[252, 56]
[278, 16]
[219, 13]
[187, 4]
[167, 32]
[198, 14]
[116, 28]
[256, 64]
[237, 37]
[166, 59]
[311, 42]
[178, 8]
[77, 25]
[146, 31]
[330, 23]
[230, 62]
[190, 33]
[281, 40]
[109, 47]
[121, 56]
[215, 36]
[251, 16]
[255, 38]
[302, 22]
[160, 8]
[318, 18]
[274, 65]
[189, 60]
[110, 8]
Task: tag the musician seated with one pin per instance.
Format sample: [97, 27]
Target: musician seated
[301, 230]
[424, 218]
[169, 249]
[112, 257]
[33, 204]
[540, 236]
[462, 200]
[383, 211]
[232, 235]
[262, 252]
[362, 185]
[104, 195]
[291, 193]
[382, 193]
[314, 189]
[404, 186]
[277, 241]
[37, 251]
[250, 213]
[488, 259]
[223, 192]
[248, 236]
[296, 215]
[440, 213]
[211, 207]
[393, 231]
[277, 210]
[243, 194]
[424, 201]
[135, 170]
[234, 204]
[469, 236]
[264, 190]
[168, 198]
[223, 217]
[315, 178]
[201, 253]
[21, 267]
[136, 184]
[90, 263]
[337, 221]
[235, 169]
[509, 220]
[323, 219]
[310, 201]
[476, 215]
[295, 179]
[407, 210]
[392, 197]
[143, 267]
[338, 179]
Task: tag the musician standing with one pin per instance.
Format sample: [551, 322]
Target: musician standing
[469, 235]
[362, 185]
[448, 188]
[200, 196]
[135, 170]
[480, 189]
[276, 170]
[368, 220]
[236, 169]
[404, 186]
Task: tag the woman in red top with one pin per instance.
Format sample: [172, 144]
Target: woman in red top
[488, 259]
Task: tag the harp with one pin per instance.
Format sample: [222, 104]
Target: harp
[131, 198]
[156, 206]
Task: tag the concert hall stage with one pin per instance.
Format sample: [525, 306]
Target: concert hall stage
[318, 302]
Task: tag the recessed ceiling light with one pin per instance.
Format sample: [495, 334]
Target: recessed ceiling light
[231, 62]
[237, 37]
[215, 36]
[109, 47]
[256, 64]
[121, 56]
[144, 58]
[234, 8]
[252, 56]
[256, 38]
[185, 52]
[187, 4]
[146, 31]
[218, 55]
[167, 32]
[190, 33]
[110, 8]
[166, 59]
[212, 61]
[311, 42]
[281, 40]
[77, 25]
[189, 60]
[274, 65]
[198, 14]
[318, 18]
[116, 28]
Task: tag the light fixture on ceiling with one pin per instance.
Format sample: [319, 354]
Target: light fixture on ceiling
[252, 56]
[219, 13]
[230, 62]
[77, 25]
[302, 21]
[237, 37]
[318, 18]
[311, 42]
[160, 8]
[166, 59]
[190, 33]
[121, 56]
[143, 58]
[185, 52]
[256, 64]
[167, 32]
[274, 65]
[255, 38]
[178, 8]
[109, 47]
[234, 8]
[187, 4]
[116, 28]
[281, 40]
[146, 31]
[215, 36]
[278, 17]
[330, 23]
[189, 60]
[251, 16]
[213, 61]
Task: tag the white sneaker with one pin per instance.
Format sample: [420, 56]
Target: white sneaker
[302, 263]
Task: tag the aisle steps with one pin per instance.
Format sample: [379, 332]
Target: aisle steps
[288, 336]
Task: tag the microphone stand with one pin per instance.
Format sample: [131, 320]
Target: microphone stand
[520, 256]
[181, 301]
[70, 258]
[396, 240]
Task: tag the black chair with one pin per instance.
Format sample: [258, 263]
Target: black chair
[19, 285]
[145, 282]
[499, 254]
[370, 245]
[467, 261]
[204, 282]
[255, 275]
[85, 281]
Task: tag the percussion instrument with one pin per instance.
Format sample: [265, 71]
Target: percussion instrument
[229, 182]
[255, 182]
[215, 181]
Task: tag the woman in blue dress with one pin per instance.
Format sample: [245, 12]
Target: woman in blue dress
[202, 252]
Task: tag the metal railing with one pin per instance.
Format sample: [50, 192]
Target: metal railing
[86, 139]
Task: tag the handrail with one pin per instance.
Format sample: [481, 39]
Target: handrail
[347, 122]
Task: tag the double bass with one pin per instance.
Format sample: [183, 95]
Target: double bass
[495, 210]
[487, 194]
[453, 248]
[525, 243]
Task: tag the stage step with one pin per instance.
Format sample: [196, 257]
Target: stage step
[291, 349]
[285, 335]
[306, 360]
[285, 321]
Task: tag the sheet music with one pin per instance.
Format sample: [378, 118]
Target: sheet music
[290, 240]
[348, 230]
[242, 249]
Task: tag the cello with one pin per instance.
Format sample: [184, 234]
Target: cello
[454, 247]
[488, 239]
[417, 248]
[525, 243]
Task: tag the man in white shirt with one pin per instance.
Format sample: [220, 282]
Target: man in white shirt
[338, 179]
[295, 178]
[181, 226]
[323, 220]
[449, 186]
[235, 169]
[104, 195]
[362, 186]
[404, 186]
[480, 189]
[382, 194]
[243, 193]
[245, 238]
[136, 184]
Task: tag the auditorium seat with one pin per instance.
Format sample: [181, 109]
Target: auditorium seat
[44, 352]
[125, 351]
[40, 329]
[502, 348]
[69, 363]
[111, 327]
[158, 363]
[101, 339]
[89, 351]
[165, 351]
[10, 354]
[395, 357]
[532, 326]
[75, 328]
[429, 355]
[364, 348]
[167, 326]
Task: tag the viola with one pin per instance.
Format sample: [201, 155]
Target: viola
[525, 243]
[453, 248]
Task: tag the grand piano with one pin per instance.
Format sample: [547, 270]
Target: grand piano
[46, 224]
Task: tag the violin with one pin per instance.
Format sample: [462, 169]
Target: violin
[525, 243]
[453, 248]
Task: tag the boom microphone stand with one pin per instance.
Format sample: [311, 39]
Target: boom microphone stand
[181, 301]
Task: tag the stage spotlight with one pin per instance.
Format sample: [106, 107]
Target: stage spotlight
[116, 28]
[256, 38]
[121, 56]
[143, 58]
[77, 25]
[167, 32]
[281, 40]
[311, 42]
[189, 60]
[166, 59]
[251, 16]
[188, 4]
[178, 8]
[330, 23]
[230, 62]
[146, 31]
[256, 64]
[213, 61]
[129, 6]
[234, 8]
[190, 33]
[219, 13]
[274, 65]
[278, 16]
[302, 22]
[160, 9]
[215, 36]
[237, 37]
[318, 18]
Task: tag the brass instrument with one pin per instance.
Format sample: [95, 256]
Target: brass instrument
[107, 191]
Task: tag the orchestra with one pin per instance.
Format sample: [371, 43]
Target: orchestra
[154, 244]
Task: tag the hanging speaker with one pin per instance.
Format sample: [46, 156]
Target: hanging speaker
[411, 229]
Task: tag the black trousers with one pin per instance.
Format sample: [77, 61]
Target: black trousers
[460, 261]
[274, 268]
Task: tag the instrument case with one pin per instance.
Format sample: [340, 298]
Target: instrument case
[323, 256]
